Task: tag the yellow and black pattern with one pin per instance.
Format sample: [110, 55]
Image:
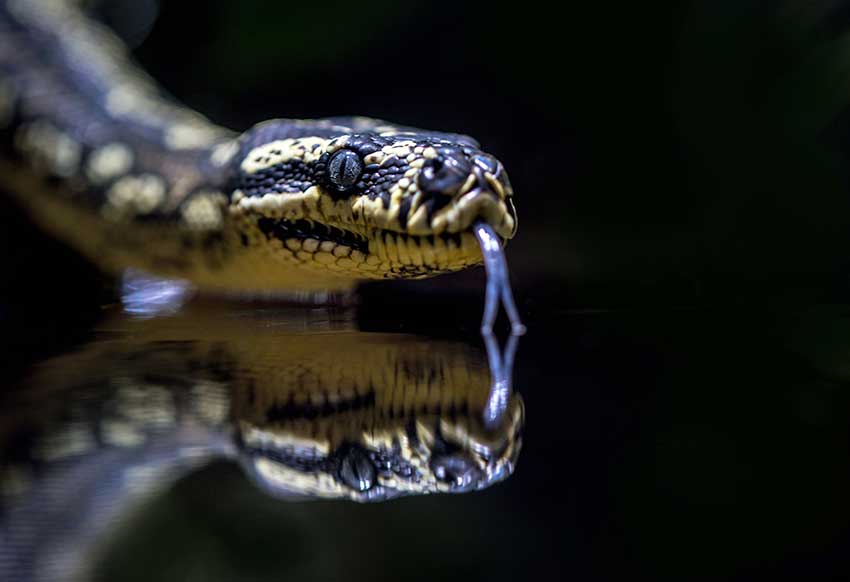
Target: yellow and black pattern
[294, 408]
[103, 161]
[329, 413]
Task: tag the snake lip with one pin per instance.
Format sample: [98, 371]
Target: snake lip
[302, 229]
[476, 204]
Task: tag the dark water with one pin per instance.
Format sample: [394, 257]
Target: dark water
[689, 444]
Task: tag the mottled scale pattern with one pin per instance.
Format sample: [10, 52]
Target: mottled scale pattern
[91, 148]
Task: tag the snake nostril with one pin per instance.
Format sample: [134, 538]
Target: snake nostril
[459, 473]
[443, 175]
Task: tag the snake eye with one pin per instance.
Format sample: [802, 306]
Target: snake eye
[356, 470]
[344, 168]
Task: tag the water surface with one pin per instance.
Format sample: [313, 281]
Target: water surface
[678, 444]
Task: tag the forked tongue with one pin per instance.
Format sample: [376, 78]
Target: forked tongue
[498, 290]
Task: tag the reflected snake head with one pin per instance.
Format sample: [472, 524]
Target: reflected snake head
[431, 455]
[386, 417]
[425, 462]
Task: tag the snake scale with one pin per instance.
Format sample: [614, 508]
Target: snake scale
[102, 160]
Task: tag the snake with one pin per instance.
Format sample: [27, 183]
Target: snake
[102, 159]
[306, 405]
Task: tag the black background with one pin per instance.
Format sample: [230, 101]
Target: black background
[682, 190]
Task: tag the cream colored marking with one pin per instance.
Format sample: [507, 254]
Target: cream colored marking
[495, 184]
[285, 205]
[286, 478]
[123, 99]
[401, 251]
[121, 433]
[277, 152]
[203, 210]
[400, 150]
[74, 439]
[417, 223]
[134, 195]
[467, 186]
[190, 136]
[336, 143]
[416, 199]
[223, 153]
[49, 148]
[429, 254]
[372, 211]
[414, 252]
[109, 161]
[149, 404]
[374, 158]
[458, 216]
[293, 244]
[140, 102]
[211, 401]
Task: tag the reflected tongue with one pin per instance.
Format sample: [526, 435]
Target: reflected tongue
[498, 283]
[498, 287]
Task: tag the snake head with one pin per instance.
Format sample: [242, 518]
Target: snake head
[365, 198]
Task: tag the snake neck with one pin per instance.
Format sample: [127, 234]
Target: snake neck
[75, 110]
[97, 155]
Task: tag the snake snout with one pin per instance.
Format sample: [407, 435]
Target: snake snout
[459, 186]
[457, 472]
[453, 172]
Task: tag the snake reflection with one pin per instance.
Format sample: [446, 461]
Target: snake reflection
[326, 413]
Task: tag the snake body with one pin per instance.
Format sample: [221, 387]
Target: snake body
[96, 154]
